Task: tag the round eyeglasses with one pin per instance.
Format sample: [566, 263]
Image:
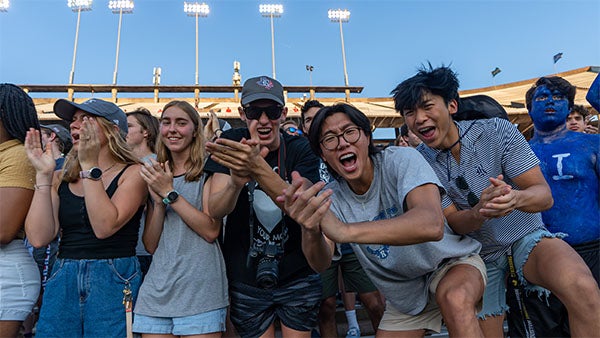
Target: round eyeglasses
[332, 141]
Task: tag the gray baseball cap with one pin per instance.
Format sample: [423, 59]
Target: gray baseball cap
[62, 133]
[262, 87]
[65, 109]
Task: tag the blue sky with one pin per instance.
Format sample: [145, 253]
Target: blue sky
[385, 41]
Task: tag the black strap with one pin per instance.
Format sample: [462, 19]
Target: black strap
[518, 289]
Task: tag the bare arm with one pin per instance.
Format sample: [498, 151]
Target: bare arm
[422, 222]
[109, 215]
[302, 204]
[155, 218]
[499, 199]
[13, 210]
[223, 192]
[41, 223]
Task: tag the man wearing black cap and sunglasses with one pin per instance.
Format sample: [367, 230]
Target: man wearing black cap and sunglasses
[271, 261]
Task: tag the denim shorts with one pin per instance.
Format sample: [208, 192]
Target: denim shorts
[494, 297]
[296, 304]
[203, 323]
[19, 281]
[84, 297]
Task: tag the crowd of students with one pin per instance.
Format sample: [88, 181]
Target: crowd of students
[242, 228]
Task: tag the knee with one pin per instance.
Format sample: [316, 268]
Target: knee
[581, 291]
[456, 301]
[327, 308]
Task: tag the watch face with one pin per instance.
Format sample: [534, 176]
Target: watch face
[172, 196]
[95, 173]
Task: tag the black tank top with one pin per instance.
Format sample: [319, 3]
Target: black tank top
[78, 240]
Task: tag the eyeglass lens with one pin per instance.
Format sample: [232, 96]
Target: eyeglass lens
[254, 113]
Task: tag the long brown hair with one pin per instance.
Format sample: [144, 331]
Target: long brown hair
[119, 150]
[195, 163]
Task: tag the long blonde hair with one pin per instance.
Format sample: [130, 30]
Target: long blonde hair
[119, 150]
[195, 163]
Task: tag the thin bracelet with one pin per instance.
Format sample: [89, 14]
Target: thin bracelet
[37, 187]
[218, 129]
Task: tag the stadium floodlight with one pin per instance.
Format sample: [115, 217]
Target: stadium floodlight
[271, 11]
[341, 15]
[77, 6]
[196, 10]
[119, 7]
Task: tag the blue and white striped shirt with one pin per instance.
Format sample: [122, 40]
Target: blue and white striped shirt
[489, 148]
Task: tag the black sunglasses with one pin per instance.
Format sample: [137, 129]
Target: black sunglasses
[254, 113]
[462, 184]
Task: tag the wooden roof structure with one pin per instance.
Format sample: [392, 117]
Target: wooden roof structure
[380, 110]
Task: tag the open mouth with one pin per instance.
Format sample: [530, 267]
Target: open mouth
[348, 160]
[264, 131]
[550, 110]
[427, 131]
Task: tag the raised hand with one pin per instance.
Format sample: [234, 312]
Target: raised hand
[89, 143]
[211, 127]
[42, 160]
[498, 199]
[301, 203]
[159, 178]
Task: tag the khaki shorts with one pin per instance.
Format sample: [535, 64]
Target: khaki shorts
[430, 319]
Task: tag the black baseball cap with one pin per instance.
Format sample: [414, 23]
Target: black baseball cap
[262, 87]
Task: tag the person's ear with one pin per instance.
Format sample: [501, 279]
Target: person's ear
[453, 106]
[284, 112]
[145, 133]
[242, 114]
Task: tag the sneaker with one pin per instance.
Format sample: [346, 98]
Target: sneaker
[353, 332]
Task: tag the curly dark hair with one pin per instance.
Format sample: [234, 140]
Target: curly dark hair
[17, 111]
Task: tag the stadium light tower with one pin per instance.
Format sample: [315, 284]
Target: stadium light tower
[271, 11]
[341, 15]
[4, 4]
[77, 6]
[119, 7]
[197, 10]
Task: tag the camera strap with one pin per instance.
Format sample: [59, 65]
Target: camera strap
[251, 186]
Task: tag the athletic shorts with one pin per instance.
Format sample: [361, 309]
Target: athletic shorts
[355, 278]
[296, 304]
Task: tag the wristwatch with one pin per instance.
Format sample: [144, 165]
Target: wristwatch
[171, 197]
[94, 173]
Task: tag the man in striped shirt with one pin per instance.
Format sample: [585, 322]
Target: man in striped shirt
[495, 193]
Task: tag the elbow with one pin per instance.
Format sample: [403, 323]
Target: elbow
[211, 236]
[435, 229]
[321, 266]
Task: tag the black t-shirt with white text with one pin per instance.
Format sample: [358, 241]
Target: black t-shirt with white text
[268, 226]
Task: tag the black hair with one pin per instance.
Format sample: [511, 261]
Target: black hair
[356, 116]
[17, 111]
[307, 105]
[580, 109]
[552, 83]
[404, 130]
[441, 81]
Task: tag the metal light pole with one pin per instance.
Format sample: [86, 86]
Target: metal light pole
[310, 70]
[4, 4]
[119, 7]
[271, 11]
[77, 6]
[197, 10]
[341, 15]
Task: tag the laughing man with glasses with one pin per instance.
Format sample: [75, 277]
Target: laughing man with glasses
[272, 262]
[498, 165]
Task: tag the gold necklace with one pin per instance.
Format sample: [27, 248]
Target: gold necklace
[109, 168]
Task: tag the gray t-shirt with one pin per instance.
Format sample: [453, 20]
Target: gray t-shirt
[187, 274]
[401, 273]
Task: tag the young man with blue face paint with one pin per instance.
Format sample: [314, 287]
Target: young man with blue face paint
[496, 191]
[570, 163]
